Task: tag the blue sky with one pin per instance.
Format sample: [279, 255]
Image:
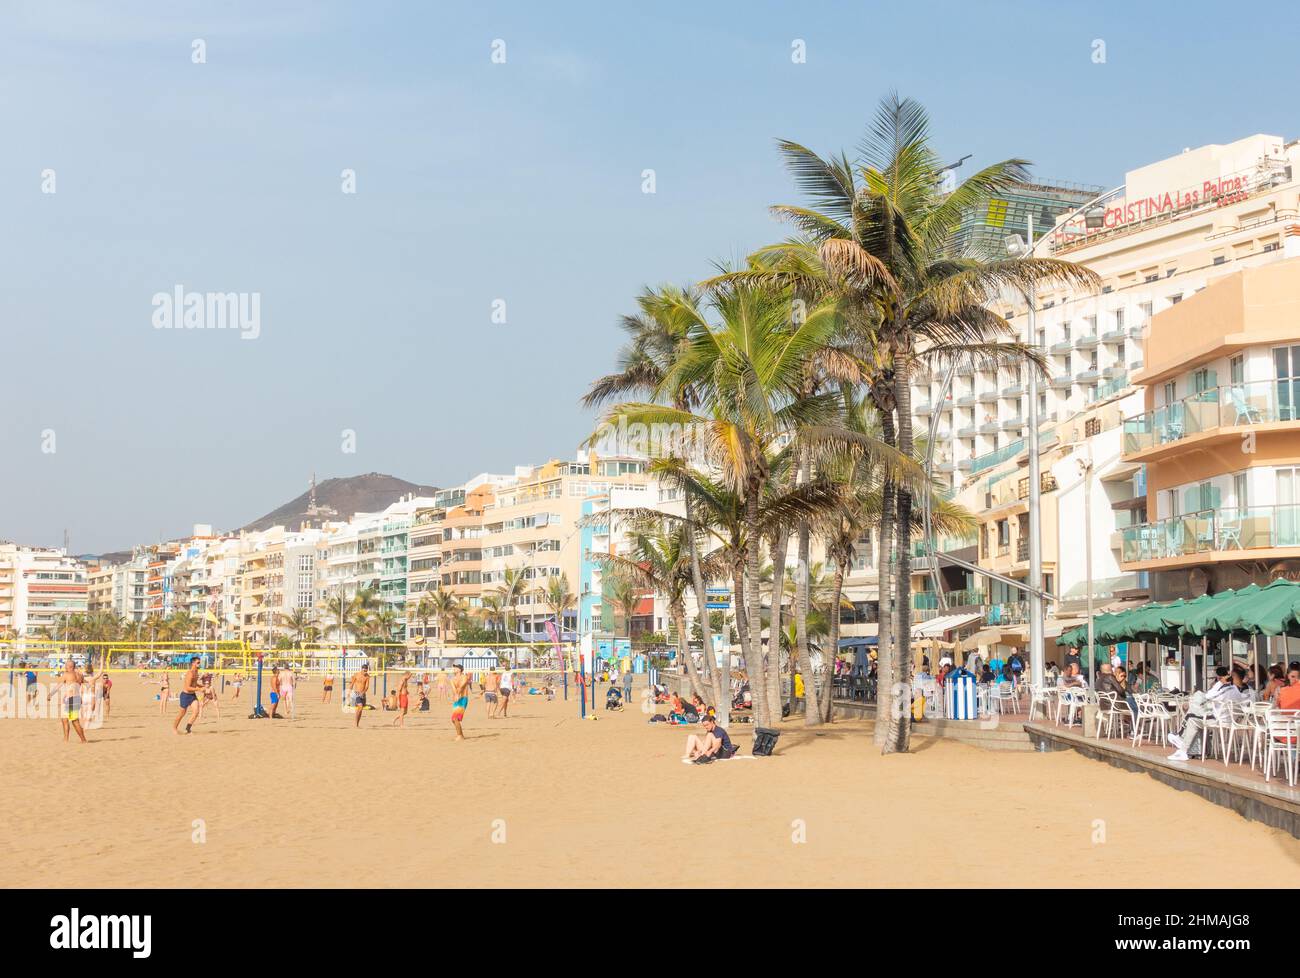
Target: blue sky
[475, 182]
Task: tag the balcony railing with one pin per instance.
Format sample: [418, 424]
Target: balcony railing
[1010, 613]
[966, 597]
[1103, 391]
[1229, 406]
[1212, 530]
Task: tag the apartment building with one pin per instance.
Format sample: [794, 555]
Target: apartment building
[99, 589]
[277, 576]
[40, 589]
[1218, 435]
[1171, 229]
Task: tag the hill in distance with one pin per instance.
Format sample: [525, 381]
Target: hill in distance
[339, 499]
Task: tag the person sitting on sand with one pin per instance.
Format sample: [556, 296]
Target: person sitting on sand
[713, 744]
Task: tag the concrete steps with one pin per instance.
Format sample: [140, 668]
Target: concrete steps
[1004, 735]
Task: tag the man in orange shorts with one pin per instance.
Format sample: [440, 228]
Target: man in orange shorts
[460, 690]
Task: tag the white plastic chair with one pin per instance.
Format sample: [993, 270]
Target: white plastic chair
[1283, 731]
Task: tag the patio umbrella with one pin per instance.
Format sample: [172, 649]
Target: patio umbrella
[1200, 617]
[1270, 610]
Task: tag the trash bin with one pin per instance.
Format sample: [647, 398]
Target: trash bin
[960, 695]
[765, 741]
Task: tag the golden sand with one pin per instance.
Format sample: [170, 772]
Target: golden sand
[313, 802]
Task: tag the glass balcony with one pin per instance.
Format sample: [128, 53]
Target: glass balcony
[1087, 342]
[966, 597]
[1229, 406]
[966, 431]
[1012, 424]
[1212, 530]
[1065, 346]
[964, 465]
[1087, 375]
[1062, 380]
[1136, 332]
[988, 396]
[966, 400]
[1114, 371]
[943, 466]
[1013, 390]
[921, 410]
[989, 428]
[1114, 335]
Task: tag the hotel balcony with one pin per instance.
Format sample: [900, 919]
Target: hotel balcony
[964, 465]
[1012, 424]
[1087, 342]
[1087, 375]
[964, 370]
[1064, 346]
[1117, 370]
[1136, 332]
[1114, 335]
[989, 428]
[1212, 535]
[988, 396]
[966, 431]
[943, 466]
[1061, 381]
[966, 400]
[1216, 415]
[921, 410]
[1013, 390]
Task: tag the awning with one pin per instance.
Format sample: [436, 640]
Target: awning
[860, 641]
[936, 627]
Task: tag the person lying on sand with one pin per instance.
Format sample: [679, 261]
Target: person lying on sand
[712, 745]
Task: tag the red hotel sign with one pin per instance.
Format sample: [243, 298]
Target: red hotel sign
[1221, 192]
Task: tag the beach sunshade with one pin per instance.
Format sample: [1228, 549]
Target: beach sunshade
[1201, 616]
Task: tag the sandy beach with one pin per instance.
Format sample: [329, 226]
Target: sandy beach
[546, 799]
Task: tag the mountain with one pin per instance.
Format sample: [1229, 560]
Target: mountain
[338, 499]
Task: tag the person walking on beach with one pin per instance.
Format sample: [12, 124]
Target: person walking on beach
[360, 683]
[491, 684]
[189, 696]
[327, 693]
[403, 701]
[70, 684]
[443, 686]
[627, 685]
[286, 689]
[507, 688]
[460, 689]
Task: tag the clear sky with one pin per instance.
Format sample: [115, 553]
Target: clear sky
[475, 182]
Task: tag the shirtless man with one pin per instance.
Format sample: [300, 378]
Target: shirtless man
[327, 693]
[442, 686]
[275, 692]
[189, 696]
[460, 689]
[359, 684]
[286, 689]
[491, 697]
[70, 700]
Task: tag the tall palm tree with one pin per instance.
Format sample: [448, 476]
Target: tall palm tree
[886, 236]
[299, 622]
[447, 609]
[513, 586]
[624, 592]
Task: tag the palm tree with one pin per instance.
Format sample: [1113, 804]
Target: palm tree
[624, 592]
[493, 608]
[558, 599]
[513, 586]
[747, 368]
[299, 622]
[424, 611]
[884, 235]
[447, 609]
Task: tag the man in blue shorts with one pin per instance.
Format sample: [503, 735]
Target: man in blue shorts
[189, 696]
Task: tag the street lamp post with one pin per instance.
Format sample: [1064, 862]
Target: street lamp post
[1085, 470]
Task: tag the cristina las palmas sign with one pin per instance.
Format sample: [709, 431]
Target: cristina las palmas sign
[1120, 211]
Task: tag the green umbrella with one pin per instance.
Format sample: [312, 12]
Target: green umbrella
[1270, 610]
[1200, 616]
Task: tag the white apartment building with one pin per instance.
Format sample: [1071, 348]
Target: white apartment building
[39, 589]
[1174, 226]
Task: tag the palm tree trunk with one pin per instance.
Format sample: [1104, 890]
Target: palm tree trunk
[900, 717]
[779, 547]
[692, 674]
[753, 666]
[812, 714]
[720, 691]
[754, 596]
[841, 567]
[885, 589]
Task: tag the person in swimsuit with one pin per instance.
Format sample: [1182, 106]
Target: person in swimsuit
[238, 683]
[164, 694]
[507, 688]
[327, 693]
[189, 696]
[491, 686]
[107, 695]
[209, 697]
[286, 689]
[460, 688]
[403, 701]
[275, 692]
[70, 684]
[360, 683]
[442, 686]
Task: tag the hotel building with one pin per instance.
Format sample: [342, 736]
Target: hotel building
[1173, 227]
[39, 590]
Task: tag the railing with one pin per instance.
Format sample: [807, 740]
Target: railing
[1103, 391]
[1212, 530]
[966, 597]
[1228, 406]
[1010, 613]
